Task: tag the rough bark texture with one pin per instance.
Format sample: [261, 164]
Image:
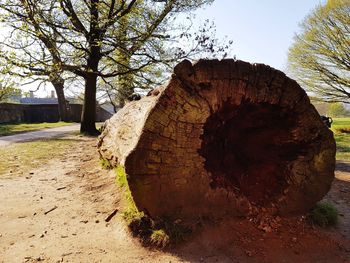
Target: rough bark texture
[222, 138]
[62, 103]
[88, 114]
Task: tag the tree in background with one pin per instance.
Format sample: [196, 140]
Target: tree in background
[8, 91]
[163, 50]
[320, 55]
[8, 88]
[86, 35]
[164, 43]
[337, 109]
[31, 48]
[321, 106]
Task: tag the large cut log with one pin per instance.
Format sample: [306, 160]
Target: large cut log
[222, 138]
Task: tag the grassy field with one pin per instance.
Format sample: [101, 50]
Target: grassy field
[10, 129]
[23, 158]
[341, 129]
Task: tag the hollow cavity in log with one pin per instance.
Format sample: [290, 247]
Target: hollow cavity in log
[247, 147]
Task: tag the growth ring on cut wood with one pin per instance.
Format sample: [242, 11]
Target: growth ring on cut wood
[222, 138]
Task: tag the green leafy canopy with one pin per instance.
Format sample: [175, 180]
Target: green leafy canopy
[320, 55]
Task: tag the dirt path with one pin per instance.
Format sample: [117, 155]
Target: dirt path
[82, 196]
[340, 196]
[45, 133]
[57, 214]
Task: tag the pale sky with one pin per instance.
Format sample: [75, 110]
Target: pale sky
[261, 30]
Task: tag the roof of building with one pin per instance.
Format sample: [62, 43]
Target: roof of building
[38, 101]
[108, 107]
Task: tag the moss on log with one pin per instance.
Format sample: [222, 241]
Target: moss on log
[222, 138]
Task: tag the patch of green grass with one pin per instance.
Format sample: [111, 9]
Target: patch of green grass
[15, 128]
[324, 214]
[159, 238]
[343, 146]
[131, 212]
[341, 122]
[159, 233]
[121, 178]
[176, 231]
[105, 164]
[21, 158]
[340, 127]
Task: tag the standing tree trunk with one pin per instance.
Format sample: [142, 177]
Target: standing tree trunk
[88, 115]
[62, 103]
[58, 84]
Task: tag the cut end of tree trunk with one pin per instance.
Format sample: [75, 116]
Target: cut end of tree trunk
[222, 138]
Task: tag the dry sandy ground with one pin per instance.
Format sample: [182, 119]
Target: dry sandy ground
[57, 214]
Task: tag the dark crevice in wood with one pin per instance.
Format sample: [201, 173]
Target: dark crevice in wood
[248, 148]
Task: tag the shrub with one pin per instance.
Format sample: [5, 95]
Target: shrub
[175, 230]
[159, 238]
[324, 214]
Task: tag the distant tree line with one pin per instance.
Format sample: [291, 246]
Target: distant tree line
[334, 109]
